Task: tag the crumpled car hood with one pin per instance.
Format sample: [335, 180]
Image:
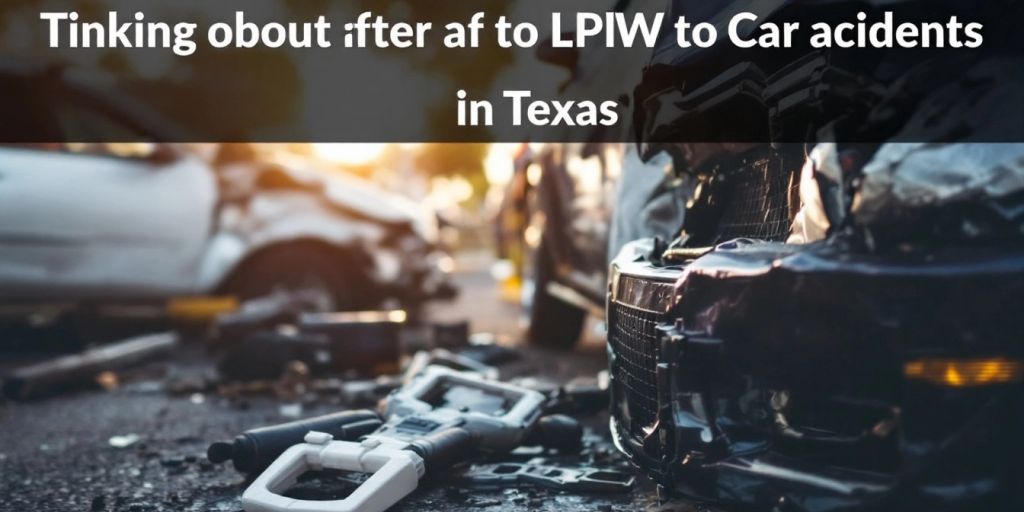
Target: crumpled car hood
[366, 199]
[903, 182]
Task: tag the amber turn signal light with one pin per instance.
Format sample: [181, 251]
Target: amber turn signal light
[963, 373]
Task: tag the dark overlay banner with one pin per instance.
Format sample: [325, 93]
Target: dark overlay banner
[649, 71]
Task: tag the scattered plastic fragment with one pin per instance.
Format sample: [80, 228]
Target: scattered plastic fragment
[290, 410]
[123, 441]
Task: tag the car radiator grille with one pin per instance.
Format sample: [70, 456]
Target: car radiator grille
[634, 341]
[761, 205]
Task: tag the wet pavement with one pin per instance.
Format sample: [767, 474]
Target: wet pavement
[141, 446]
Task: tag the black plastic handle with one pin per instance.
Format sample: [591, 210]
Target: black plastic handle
[558, 432]
[254, 450]
[445, 448]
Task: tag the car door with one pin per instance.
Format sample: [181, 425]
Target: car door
[99, 226]
[100, 221]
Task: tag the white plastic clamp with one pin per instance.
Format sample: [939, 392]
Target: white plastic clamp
[396, 473]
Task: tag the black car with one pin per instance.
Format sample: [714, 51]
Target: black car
[834, 324]
[823, 375]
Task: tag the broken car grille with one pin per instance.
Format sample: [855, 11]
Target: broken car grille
[633, 337]
[760, 205]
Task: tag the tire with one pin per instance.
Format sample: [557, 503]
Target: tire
[554, 323]
[335, 276]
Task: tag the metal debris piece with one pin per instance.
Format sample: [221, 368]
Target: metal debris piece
[67, 371]
[584, 479]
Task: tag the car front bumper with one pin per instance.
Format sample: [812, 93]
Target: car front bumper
[774, 376]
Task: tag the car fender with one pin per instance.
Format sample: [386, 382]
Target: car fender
[274, 219]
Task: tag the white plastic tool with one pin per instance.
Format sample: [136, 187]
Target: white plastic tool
[429, 422]
[396, 472]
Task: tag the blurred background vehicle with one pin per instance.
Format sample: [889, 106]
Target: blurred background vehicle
[145, 222]
[564, 213]
[554, 226]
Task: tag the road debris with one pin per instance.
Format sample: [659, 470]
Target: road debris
[123, 441]
[366, 341]
[266, 355]
[450, 335]
[290, 410]
[579, 479]
[254, 450]
[67, 371]
[437, 420]
[441, 357]
[367, 392]
[261, 314]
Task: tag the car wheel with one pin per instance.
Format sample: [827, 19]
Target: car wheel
[554, 323]
[329, 279]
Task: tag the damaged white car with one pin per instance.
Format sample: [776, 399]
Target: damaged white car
[145, 222]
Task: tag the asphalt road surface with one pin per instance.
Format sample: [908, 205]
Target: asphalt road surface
[141, 446]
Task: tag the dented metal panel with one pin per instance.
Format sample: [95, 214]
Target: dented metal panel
[904, 184]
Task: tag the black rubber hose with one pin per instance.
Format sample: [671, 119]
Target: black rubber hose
[445, 448]
[254, 450]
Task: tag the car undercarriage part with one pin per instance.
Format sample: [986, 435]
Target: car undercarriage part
[253, 450]
[435, 421]
[762, 374]
[50, 376]
[583, 479]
